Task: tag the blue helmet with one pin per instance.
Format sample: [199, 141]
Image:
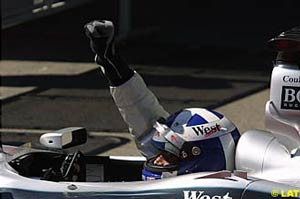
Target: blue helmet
[193, 140]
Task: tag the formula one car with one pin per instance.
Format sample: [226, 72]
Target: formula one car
[49, 172]
[267, 163]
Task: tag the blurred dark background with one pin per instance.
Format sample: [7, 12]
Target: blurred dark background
[191, 53]
[174, 33]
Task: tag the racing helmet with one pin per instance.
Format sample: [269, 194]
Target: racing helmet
[192, 140]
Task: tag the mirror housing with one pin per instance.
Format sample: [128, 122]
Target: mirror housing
[64, 138]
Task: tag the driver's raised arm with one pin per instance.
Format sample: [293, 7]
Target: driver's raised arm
[137, 104]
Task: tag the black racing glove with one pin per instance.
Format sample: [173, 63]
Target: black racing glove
[101, 35]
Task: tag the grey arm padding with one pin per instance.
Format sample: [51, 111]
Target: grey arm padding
[138, 105]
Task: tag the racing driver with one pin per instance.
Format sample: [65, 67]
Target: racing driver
[187, 141]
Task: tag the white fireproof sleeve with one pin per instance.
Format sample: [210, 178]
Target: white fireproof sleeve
[138, 106]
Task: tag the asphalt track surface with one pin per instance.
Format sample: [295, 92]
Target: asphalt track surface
[181, 74]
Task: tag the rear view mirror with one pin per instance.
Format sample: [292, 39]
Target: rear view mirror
[64, 138]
